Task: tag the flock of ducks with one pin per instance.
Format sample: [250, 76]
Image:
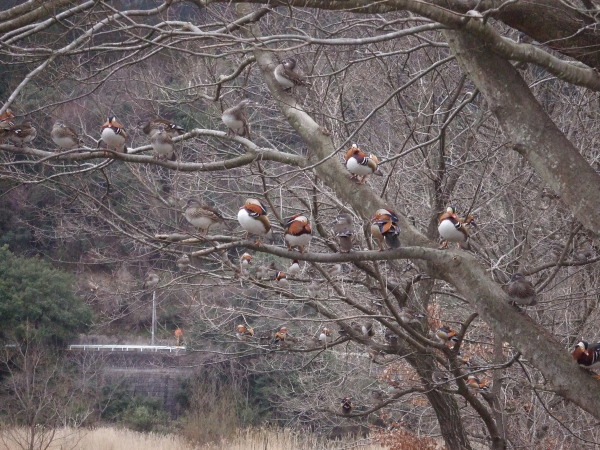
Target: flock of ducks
[252, 216]
[160, 131]
[385, 229]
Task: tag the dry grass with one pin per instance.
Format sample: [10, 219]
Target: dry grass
[121, 439]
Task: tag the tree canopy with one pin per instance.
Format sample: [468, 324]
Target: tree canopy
[35, 297]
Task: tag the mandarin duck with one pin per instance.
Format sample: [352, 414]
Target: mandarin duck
[391, 337]
[262, 272]
[245, 260]
[22, 133]
[364, 328]
[113, 135]
[287, 77]
[359, 164]
[324, 336]
[408, 315]
[344, 231]
[378, 395]
[65, 137]
[585, 254]
[335, 271]
[235, 119]
[384, 227]
[313, 290]
[162, 144]
[440, 377]
[521, 290]
[243, 333]
[202, 216]
[155, 125]
[5, 120]
[6, 123]
[586, 354]
[476, 385]
[151, 280]
[347, 405]
[446, 334]
[281, 336]
[294, 268]
[281, 280]
[297, 232]
[453, 229]
[178, 333]
[252, 216]
[183, 262]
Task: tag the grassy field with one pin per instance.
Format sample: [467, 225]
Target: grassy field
[122, 439]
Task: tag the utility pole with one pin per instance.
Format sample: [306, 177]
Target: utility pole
[153, 315]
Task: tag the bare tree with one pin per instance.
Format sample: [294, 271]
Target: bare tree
[486, 106]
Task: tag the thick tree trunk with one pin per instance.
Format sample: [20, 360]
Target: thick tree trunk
[445, 407]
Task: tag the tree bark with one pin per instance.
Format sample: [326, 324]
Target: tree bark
[532, 132]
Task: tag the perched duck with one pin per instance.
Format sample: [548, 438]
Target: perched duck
[243, 333]
[335, 271]
[252, 216]
[246, 259]
[408, 315]
[287, 77]
[281, 336]
[365, 328]
[476, 385]
[22, 133]
[440, 377]
[384, 227]
[281, 280]
[452, 229]
[155, 125]
[446, 334]
[521, 290]
[183, 262]
[359, 164]
[6, 124]
[262, 272]
[586, 354]
[343, 230]
[113, 135]
[585, 254]
[202, 216]
[178, 333]
[162, 144]
[5, 120]
[235, 119]
[347, 405]
[151, 280]
[294, 268]
[391, 337]
[324, 336]
[297, 232]
[378, 395]
[65, 137]
[313, 289]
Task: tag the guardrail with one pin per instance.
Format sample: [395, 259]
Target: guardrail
[127, 348]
